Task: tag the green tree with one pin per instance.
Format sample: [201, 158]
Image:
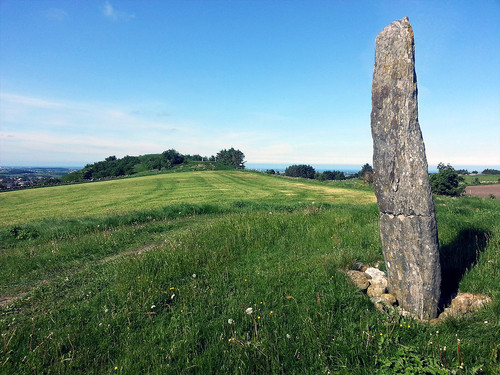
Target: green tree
[170, 158]
[446, 181]
[300, 170]
[366, 173]
[231, 157]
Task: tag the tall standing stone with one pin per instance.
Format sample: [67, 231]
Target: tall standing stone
[407, 218]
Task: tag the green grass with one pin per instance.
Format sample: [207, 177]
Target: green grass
[150, 287]
[483, 178]
[117, 197]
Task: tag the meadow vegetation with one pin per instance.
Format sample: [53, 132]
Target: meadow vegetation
[227, 272]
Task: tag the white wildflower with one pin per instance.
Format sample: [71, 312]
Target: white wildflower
[153, 306]
[172, 296]
[249, 311]
[230, 321]
[288, 336]
[193, 276]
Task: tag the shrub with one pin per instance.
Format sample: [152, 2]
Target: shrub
[446, 181]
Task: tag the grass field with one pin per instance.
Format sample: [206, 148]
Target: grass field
[482, 178]
[156, 274]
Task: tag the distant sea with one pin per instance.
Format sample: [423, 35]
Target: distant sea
[353, 168]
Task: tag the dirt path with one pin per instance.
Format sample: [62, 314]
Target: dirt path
[483, 191]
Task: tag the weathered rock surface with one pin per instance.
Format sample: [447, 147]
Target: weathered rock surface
[465, 303]
[407, 219]
[388, 299]
[360, 279]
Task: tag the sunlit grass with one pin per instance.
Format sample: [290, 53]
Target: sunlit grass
[116, 197]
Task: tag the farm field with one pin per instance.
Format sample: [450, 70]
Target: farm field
[116, 197]
[157, 274]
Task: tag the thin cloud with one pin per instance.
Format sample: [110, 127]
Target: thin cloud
[110, 12]
[55, 14]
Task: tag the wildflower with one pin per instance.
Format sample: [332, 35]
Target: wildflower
[400, 325]
[245, 280]
[116, 367]
[258, 317]
[271, 312]
[288, 336]
[249, 311]
[485, 322]
[229, 340]
[230, 321]
[193, 276]
[172, 288]
[408, 326]
[172, 296]
[381, 334]
[153, 306]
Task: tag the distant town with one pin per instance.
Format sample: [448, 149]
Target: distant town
[20, 177]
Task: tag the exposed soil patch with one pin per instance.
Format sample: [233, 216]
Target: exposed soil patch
[483, 191]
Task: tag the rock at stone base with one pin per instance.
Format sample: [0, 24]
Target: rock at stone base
[374, 272]
[360, 279]
[465, 303]
[376, 290]
[360, 267]
[388, 299]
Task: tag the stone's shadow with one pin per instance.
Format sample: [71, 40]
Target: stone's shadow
[456, 258]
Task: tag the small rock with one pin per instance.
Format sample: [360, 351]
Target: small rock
[379, 281]
[360, 267]
[360, 279]
[375, 290]
[374, 272]
[388, 299]
[465, 303]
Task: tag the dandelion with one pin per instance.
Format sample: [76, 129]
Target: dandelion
[258, 317]
[271, 312]
[400, 325]
[116, 367]
[230, 321]
[381, 334]
[172, 288]
[408, 326]
[229, 340]
[249, 311]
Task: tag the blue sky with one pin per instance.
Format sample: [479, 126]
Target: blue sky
[283, 81]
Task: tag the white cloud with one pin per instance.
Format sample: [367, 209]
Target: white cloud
[110, 12]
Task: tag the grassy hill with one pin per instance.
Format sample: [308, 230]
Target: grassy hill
[155, 274]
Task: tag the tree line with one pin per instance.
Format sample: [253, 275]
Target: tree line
[129, 165]
[307, 171]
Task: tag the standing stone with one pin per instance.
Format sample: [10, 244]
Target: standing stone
[407, 219]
